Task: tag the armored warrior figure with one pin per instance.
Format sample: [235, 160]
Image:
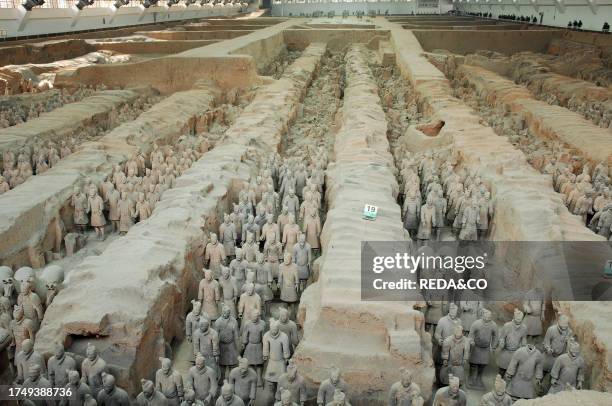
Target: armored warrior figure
[58, 366]
[92, 368]
[445, 328]
[227, 397]
[249, 303]
[428, 219]
[273, 252]
[290, 234]
[498, 396]
[534, 309]
[214, 256]
[292, 382]
[202, 380]
[403, 392]
[244, 380]
[288, 326]
[150, 396]
[525, 366]
[111, 394]
[227, 328]
[250, 248]
[228, 235]
[302, 256]
[568, 370]
[20, 328]
[237, 268]
[229, 290]
[556, 341]
[288, 281]
[455, 353]
[450, 395]
[95, 206]
[169, 382]
[26, 358]
[312, 230]
[276, 352]
[210, 295]
[77, 387]
[329, 386]
[513, 335]
[79, 204]
[35, 379]
[206, 342]
[31, 303]
[483, 339]
[252, 342]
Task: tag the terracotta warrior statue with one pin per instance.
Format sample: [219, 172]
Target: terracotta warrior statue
[112, 200]
[451, 394]
[209, 294]
[329, 386]
[111, 394]
[202, 380]
[455, 353]
[252, 343]
[59, 365]
[525, 366]
[403, 392]
[169, 382]
[445, 328]
[95, 206]
[244, 380]
[312, 230]
[276, 352]
[227, 231]
[35, 379]
[229, 290]
[127, 213]
[568, 370]
[206, 343]
[428, 219]
[214, 256]
[227, 397]
[237, 268]
[250, 248]
[302, 256]
[288, 281]
[292, 382]
[273, 253]
[26, 358]
[79, 205]
[229, 340]
[290, 233]
[534, 309]
[288, 326]
[78, 387]
[149, 395]
[31, 303]
[498, 396]
[556, 341]
[483, 337]
[92, 368]
[249, 303]
[21, 329]
[513, 335]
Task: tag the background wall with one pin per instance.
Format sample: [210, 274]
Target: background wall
[17, 23]
[555, 14]
[394, 7]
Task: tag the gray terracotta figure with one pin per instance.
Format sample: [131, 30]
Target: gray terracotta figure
[292, 202]
[556, 341]
[228, 398]
[150, 396]
[292, 382]
[237, 268]
[35, 379]
[249, 303]
[111, 394]
[79, 204]
[250, 227]
[273, 254]
[76, 386]
[127, 213]
[250, 248]
[525, 369]
[302, 256]
[512, 336]
[288, 280]
[229, 340]
[228, 235]
[483, 338]
[285, 399]
[31, 303]
[403, 392]
[191, 322]
[534, 309]
[290, 233]
[202, 380]
[169, 382]
[288, 326]
[568, 370]
[498, 396]
[470, 220]
[312, 229]
[58, 366]
[427, 220]
[244, 380]
[329, 386]
[214, 256]
[26, 358]
[206, 342]
[95, 206]
[276, 352]
[252, 342]
[92, 368]
[455, 354]
[209, 294]
[445, 328]
[229, 290]
[20, 328]
[450, 395]
[190, 399]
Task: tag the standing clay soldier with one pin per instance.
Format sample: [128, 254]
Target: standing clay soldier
[329, 386]
[302, 256]
[282, 220]
[58, 366]
[269, 230]
[237, 269]
[249, 303]
[273, 252]
[202, 380]
[143, 209]
[276, 352]
[534, 309]
[26, 358]
[79, 204]
[525, 366]
[92, 369]
[428, 219]
[126, 213]
[95, 206]
[169, 382]
[36, 380]
[312, 230]
[498, 396]
[455, 353]
[403, 392]
[470, 221]
[150, 396]
[513, 335]
[485, 211]
[568, 370]
[288, 326]
[292, 202]
[111, 394]
[252, 341]
[227, 328]
[229, 290]
[227, 397]
[113, 197]
[483, 339]
[31, 303]
[78, 388]
[556, 341]
[290, 233]
[21, 329]
[215, 256]
[210, 295]
[292, 382]
[288, 281]
[445, 328]
[227, 231]
[450, 395]
[250, 227]
[191, 322]
[206, 342]
[250, 248]
[244, 380]
[412, 212]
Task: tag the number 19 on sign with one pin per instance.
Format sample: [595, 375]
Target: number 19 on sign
[370, 212]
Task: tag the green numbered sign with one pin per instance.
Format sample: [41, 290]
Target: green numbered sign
[370, 212]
